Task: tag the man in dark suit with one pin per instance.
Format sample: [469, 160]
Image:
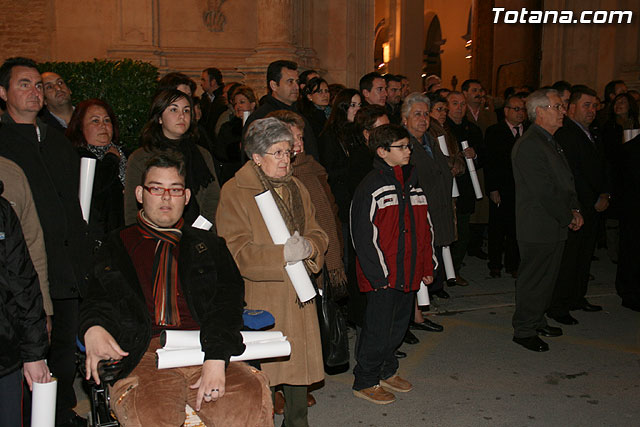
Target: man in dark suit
[583, 152]
[546, 204]
[212, 102]
[282, 85]
[463, 130]
[500, 187]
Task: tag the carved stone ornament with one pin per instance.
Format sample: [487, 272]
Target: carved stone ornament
[213, 17]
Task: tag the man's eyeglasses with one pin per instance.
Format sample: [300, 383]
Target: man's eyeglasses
[559, 107]
[403, 147]
[516, 109]
[160, 191]
[280, 154]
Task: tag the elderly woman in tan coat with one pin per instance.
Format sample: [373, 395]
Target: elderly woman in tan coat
[269, 143]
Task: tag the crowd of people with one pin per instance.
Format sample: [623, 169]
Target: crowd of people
[375, 184]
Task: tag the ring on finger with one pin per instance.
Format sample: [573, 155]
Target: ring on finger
[207, 395]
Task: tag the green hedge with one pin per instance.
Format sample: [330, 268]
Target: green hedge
[126, 85]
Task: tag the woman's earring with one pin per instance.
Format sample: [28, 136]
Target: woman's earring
[259, 164]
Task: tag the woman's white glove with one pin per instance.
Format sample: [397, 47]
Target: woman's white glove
[296, 248]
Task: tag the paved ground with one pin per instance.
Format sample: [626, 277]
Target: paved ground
[472, 374]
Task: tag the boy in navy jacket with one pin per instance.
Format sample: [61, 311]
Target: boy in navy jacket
[391, 233]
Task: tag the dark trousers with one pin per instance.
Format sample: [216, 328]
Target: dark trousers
[459, 247]
[534, 287]
[628, 274]
[476, 237]
[439, 276]
[295, 405]
[62, 359]
[502, 237]
[385, 323]
[11, 399]
[573, 278]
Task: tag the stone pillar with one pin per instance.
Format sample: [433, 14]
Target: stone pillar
[482, 47]
[275, 41]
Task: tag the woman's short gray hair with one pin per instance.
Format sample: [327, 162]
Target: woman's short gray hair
[414, 98]
[263, 133]
[539, 98]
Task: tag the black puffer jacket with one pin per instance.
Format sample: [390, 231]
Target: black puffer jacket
[23, 333]
[209, 279]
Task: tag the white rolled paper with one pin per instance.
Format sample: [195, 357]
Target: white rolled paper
[245, 116]
[629, 134]
[195, 356]
[445, 150]
[279, 234]
[202, 223]
[472, 172]
[171, 340]
[448, 263]
[454, 190]
[423, 295]
[443, 145]
[87, 173]
[43, 405]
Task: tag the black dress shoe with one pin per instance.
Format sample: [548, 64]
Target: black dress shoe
[631, 304]
[565, 320]
[75, 421]
[409, 338]
[478, 253]
[426, 325]
[442, 294]
[549, 331]
[400, 354]
[532, 343]
[589, 307]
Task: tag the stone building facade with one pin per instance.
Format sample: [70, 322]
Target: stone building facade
[343, 39]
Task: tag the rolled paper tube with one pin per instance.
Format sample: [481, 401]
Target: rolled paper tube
[472, 172]
[245, 116]
[423, 295]
[195, 356]
[170, 339]
[279, 234]
[454, 189]
[202, 223]
[87, 173]
[629, 134]
[272, 218]
[448, 263]
[43, 404]
[443, 145]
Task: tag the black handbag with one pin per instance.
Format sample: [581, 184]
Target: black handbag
[333, 331]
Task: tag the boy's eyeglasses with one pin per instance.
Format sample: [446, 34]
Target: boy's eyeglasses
[403, 147]
[159, 191]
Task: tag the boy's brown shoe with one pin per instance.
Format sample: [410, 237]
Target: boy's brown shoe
[396, 383]
[375, 394]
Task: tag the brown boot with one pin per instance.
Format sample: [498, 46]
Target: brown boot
[310, 400]
[375, 394]
[396, 383]
[278, 405]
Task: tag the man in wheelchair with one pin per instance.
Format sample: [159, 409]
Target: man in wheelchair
[163, 274]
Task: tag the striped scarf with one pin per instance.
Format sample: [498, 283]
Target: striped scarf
[165, 269]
